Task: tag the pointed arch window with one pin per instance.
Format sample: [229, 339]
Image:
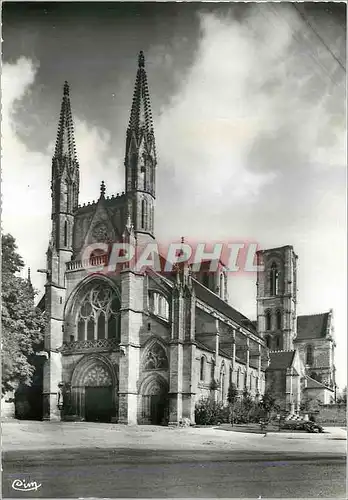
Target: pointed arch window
[66, 233]
[274, 279]
[309, 355]
[278, 342]
[202, 369]
[68, 197]
[268, 320]
[143, 213]
[221, 285]
[268, 341]
[98, 316]
[75, 197]
[279, 320]
[158, 305]
[238, 378]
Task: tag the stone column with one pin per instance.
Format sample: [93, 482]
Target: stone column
[176, 356]
[289, 391]
[132, 291]
[259, 369]
[52, 376]
[190, 375]
[247, 344]
[233, 354]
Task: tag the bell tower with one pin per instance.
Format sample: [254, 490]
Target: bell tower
[277, 297]
[64, 192]
[140, 159]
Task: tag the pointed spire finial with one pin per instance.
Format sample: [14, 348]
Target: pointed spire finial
[182, 239]
[141, 59]
[66, 88]
[65, 143]
[102, 189]
[141, 116]
[29, 275]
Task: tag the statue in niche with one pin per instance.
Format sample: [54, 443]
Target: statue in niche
[156, 358]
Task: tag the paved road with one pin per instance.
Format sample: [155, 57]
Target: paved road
[124, 473]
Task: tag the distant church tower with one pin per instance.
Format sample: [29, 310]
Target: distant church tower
[277, 297]
[140, 159]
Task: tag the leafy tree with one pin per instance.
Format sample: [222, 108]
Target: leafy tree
[232, 396]
[247, 402]
[268, 403]
[342, 398]
[22, 323]
[309, 404]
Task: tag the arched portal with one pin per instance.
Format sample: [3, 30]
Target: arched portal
[153, 396]
[94, 389]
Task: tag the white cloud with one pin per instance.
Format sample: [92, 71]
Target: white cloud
[26, 174]
[253, 146]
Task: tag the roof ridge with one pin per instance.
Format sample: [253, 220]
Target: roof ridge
[221, 300]
[313, 314]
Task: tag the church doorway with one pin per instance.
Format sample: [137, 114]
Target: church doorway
[94, 387]
[98, 404]
[157, 409]
[154, 404]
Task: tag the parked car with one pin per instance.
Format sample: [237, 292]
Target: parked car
[302, 425]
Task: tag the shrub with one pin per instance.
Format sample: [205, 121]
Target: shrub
[209, 412]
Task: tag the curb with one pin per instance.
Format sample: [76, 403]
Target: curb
[307, 435]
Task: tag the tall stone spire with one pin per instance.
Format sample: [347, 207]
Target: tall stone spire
[140, 157]
[65, 143]
[140, 131]
[65, 178]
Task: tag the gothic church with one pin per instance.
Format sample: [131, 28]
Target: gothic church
[145, 347]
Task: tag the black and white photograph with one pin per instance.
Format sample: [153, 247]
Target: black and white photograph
[174, 250]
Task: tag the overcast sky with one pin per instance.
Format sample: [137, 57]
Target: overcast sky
[249, 111]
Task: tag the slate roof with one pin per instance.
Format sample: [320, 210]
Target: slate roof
[314, 384]
[281, 360]
[312, 326]
[224, 353]
[220, 305]
[202, 346]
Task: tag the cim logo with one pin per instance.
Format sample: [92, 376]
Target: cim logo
[23, 485]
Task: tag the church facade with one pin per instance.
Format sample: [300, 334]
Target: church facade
[144, 347]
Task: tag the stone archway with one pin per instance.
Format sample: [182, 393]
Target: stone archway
[153, 396]
[94, 389]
